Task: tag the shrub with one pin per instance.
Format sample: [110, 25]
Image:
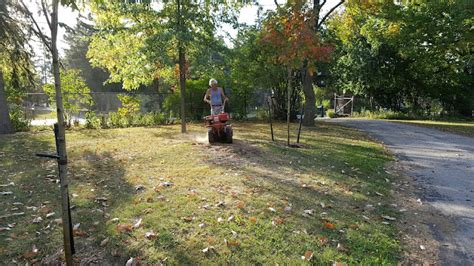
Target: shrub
[18, 119]
[262, 114]
[331, 113]
[92, 121]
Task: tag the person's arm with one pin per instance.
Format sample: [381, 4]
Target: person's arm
[223, 95]
[206, 96]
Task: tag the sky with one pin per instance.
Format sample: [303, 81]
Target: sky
[248, 15]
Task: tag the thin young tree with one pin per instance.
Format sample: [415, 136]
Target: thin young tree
[51, 43]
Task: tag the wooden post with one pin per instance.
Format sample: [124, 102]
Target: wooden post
[301, 121]
[288, 106]
[270, 113]
[352, 105]
[335, 104]
[61, 139]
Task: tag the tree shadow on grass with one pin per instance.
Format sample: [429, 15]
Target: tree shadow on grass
[317, 184]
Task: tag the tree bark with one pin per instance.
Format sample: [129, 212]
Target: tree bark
[182, 69]
[5, 123]
[288, 105]
[310, 105]
[61, 138]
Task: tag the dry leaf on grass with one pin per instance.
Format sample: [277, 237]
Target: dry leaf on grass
[329, 226]
[188, 218]
[151, 235]
[231, 243]
[79, 233]
[253, 219]
[308, 255]
[389, 218]
[122, 228]
[138, 223]
[104, 242]
[277, 221]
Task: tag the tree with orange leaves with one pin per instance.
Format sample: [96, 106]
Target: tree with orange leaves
[291, 35]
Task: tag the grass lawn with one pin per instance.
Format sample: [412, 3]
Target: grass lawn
[251, 202]
[463, 128]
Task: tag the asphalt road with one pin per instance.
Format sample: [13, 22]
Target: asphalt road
[443, 165]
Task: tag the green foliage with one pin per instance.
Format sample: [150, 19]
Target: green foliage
[18, 118]
[331, 113]
[415, 53]
[137, 43]
[385, 114]
[130, 105]
[92, 121]
[76, 94]
[116, 120]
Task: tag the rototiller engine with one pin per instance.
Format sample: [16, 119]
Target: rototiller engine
[218, 128]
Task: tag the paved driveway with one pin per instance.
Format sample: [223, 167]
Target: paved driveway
[443, 164]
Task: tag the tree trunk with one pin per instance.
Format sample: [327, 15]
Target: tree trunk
[5, 123]
[61, 138]
[288, 105]
[310, 106]
[182, 71]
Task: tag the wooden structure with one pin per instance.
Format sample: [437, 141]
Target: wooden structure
[343, 106]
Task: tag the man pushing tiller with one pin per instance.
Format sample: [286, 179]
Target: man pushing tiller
[217, 123]
[215, 97]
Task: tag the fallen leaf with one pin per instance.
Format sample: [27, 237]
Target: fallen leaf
[308, 255]
[150, 235]
[37, 220]
[202, 225]
[166, 184]
[389, 218]
[271, 209]
[220, 204]
[188, 218]
[277, 221]
[79, 233]
[329, 226]
[354, 226]
[76, 226]
[231, 243]
[341, 248]
[323, 240]
[138, 223]
[6, 185]
[29, 254]
[240, 205]
[231, 218]
[51, 214]
[124, 228]
[220, 220]
[253, 219]
[208, 250]
[130, 261]
[104, 242]
[422, 247]
[6, 193]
